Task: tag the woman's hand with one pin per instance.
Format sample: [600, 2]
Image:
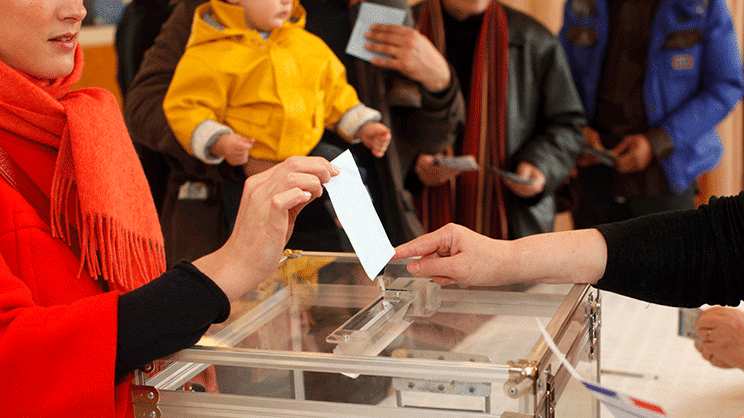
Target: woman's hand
[411, 54]
[453, 253]
[269, 206]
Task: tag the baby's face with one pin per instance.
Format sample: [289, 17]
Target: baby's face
[265, 15]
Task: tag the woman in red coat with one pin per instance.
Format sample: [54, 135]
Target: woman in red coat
[83, 297]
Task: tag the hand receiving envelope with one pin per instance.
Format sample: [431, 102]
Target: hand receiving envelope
[357, 215]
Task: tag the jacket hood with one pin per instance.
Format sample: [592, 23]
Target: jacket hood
[218, 19]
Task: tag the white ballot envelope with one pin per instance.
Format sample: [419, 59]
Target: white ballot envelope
[370, 13]
[357, 215]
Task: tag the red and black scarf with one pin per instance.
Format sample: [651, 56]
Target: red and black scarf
[97, 167]
[477, 199]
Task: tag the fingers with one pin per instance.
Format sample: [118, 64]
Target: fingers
[591, 138]
[315, 166]
[391, 41]
[423, 246]
[246, 143]
[441, 267]
[634, 154]
[527, 171]
[425, 160]
[289, 199]
[392, 35]
[376, 137]
[286, 206]
[381, 144]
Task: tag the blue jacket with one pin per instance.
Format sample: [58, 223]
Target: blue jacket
[693, 76]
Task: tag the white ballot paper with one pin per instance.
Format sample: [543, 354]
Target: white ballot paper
[357, 215]
[370, 13]
[621, 405]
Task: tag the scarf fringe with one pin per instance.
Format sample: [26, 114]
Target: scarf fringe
[107, 249]
[117, 255]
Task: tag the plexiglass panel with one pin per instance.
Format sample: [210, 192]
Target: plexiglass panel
[321, 336]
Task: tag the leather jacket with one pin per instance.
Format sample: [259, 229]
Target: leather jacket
[545, 118]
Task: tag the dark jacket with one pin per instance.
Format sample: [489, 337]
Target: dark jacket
[196, 226]
[693, 75]
[545, 118]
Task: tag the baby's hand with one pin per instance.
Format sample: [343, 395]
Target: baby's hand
[233, 147]
[376, 137]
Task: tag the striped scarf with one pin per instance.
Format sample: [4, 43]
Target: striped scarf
[477, 199]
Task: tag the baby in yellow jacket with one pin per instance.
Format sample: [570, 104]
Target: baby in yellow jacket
[253, 82]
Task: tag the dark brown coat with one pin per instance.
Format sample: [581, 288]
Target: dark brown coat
[193, 228]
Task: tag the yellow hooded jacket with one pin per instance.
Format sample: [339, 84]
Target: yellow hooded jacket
[283, 91]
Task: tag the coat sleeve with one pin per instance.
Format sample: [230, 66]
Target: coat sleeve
[557, 135]
[57, 361]
[430, 127]
[143, 103]
[720, 86]
[194, 95]
[340, 96]
[681, 258]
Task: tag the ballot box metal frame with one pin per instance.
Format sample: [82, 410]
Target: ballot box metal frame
[537, 381]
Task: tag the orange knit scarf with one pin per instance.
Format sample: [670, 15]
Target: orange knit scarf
[97, 166]
[478, 198]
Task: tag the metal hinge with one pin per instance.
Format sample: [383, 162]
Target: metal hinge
[545, 407]
[593, 314]
[522, 375]
[145, 402]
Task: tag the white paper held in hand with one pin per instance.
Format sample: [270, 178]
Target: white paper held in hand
[357, 215]
[370, 13]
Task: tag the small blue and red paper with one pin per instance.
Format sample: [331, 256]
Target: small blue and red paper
[621, 405]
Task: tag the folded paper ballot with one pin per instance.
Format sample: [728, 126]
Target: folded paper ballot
[358, 217]
[370, 13]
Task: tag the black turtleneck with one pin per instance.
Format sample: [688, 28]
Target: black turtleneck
[461, 38]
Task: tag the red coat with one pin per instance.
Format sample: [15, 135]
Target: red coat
[57, 331]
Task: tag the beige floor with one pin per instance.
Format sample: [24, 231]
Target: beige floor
[641, 339]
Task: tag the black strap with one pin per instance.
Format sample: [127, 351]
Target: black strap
[19, 180]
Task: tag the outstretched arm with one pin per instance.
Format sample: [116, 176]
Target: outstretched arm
[455, 253]
[678, 258]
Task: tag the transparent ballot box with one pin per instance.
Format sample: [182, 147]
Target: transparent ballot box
[320, 339]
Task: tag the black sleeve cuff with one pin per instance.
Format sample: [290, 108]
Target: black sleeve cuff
[166, 315]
